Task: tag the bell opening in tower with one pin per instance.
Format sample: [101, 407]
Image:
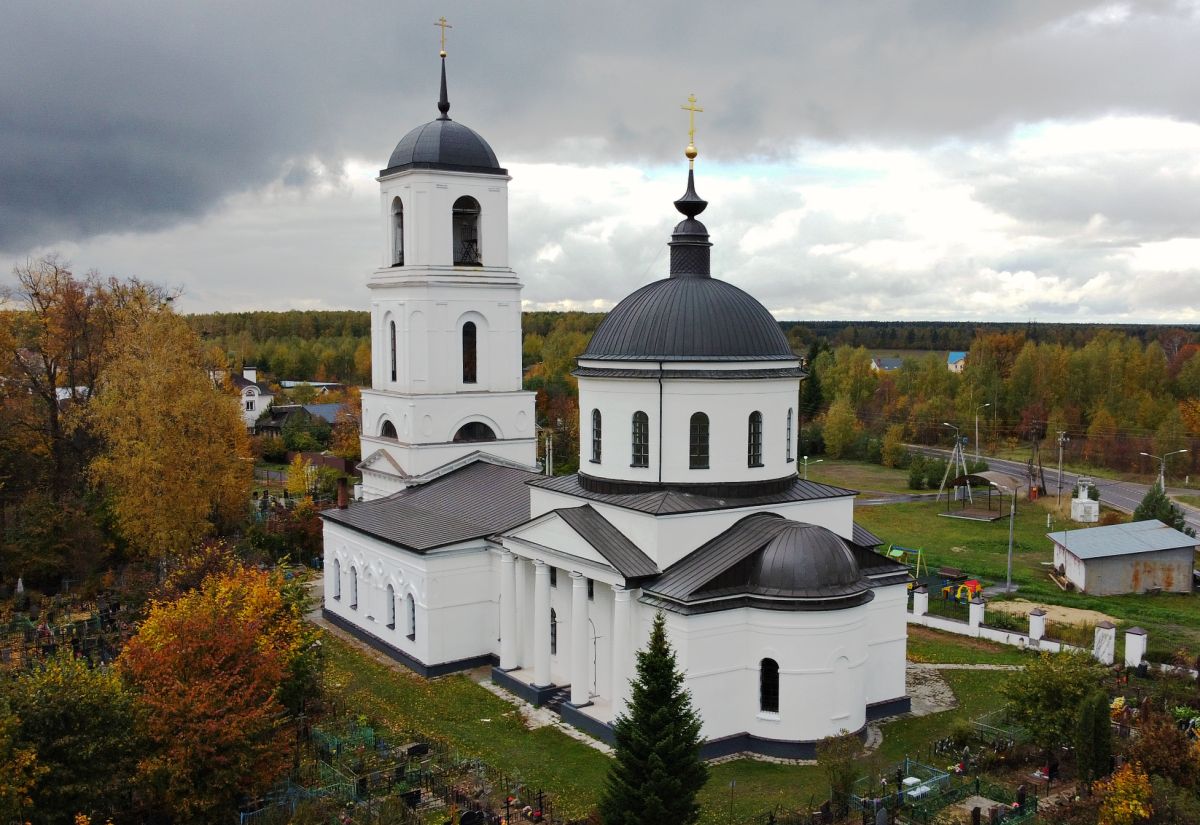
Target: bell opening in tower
[466, 232]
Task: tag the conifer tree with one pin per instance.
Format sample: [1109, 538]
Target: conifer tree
[1093, 737]
[657, 770]
[1156, 505]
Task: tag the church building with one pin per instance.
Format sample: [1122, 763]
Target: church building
[788, 625]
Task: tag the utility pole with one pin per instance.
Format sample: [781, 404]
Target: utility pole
[977, 409]
[1062, 440]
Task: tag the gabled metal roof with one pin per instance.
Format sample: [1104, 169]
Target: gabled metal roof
[475, 501]
[1122, 539]
[667, 501]
[608, 541]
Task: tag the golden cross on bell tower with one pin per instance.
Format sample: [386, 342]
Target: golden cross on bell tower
[443, 25]
[691, 108]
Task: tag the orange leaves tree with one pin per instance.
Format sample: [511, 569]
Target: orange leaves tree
[1125, 796]
[213, 669]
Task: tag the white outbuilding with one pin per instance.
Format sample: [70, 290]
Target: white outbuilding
[787, 623]
[1136, 557]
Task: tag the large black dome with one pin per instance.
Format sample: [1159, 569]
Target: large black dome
[805, 560]
[689, 319]
[444, 144]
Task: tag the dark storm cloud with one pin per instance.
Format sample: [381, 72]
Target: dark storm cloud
[128, 116]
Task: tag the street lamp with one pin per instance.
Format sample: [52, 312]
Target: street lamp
[1012, 518]
[818, 461]
[977, 409]
[1162, 466]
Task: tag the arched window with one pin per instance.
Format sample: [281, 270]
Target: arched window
[698, 442]
[768, 686]
[595, 436]
[553, 632]
[337, 579]
[391, 607]
[354, 588]
[392, 330]
[641, 440]
[474, 431]
[469, 360]
[388, 430]
[410, 609]
[754, 440]
[466, 232]
[789, 436]
[397, 233]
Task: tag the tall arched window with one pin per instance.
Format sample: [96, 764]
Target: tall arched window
[337, 579]
[754, 440]
[768, 686]
[354, 588]
[410, 610]
[466, 232]
[641, 440]
[397, 232]
[469, 353]
[391, 607]
[595, 436]
[553, 632]
[698, 442]
[392, 330]
[388, 430]
[789, 436]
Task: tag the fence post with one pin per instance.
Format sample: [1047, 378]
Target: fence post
[1104, 646]
[1037, 625]
[1135, 646]
[920, 600]
[975, 617]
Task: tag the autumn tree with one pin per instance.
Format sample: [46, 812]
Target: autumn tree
[1044, 696]
[1125, 797]
[175, 462]
[82, 724]
[840, 429]
[212, 669]
[19, 768]
[841, 758]
[895, 454]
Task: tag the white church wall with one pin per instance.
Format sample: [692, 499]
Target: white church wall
[887, 640]
[823, 670]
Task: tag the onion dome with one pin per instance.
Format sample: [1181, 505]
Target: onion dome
[689, 316]
[806, 561]
[444, 144]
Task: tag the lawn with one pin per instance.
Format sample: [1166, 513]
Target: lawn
[981, 549]
[859, 475]
[457, 711]
[925, 645]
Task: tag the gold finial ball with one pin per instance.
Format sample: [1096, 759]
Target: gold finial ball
[690, 152]
[442, 53]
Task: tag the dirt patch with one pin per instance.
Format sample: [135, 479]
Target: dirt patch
[1054, 612]
[927, 690]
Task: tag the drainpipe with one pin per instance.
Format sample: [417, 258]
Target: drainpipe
[660, 419]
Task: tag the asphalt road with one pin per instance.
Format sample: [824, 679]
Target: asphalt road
[1120, 495]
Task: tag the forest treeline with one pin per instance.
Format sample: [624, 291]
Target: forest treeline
[1117, 390]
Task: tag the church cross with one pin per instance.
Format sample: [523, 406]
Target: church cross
[691, 108]
[443, 25]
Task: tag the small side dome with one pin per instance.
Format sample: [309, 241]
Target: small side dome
[806, 561]
[444, 144]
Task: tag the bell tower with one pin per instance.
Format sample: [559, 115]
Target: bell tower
[445, 312]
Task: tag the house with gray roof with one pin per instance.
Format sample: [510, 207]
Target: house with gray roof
[1137, 557]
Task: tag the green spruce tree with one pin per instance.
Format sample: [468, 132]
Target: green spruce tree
[1156, 505]
[1093, 737]
[657, 770]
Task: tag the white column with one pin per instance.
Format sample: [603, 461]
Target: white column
[920, 600]
[521, 609]
[508, 611]
[1135, 646]
[1105, 643]
[1037, 624]
[975, 614]
[580, 641]
[620, 648]
[541, 624]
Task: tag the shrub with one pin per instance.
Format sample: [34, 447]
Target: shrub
[935, 471]
[892, 452]
[916, 473]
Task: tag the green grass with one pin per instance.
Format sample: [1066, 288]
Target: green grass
[1191, 501]
[925, 645]
[981, 548]
[859, 475]
[456, 711]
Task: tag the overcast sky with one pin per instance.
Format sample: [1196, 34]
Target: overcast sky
[890, 160]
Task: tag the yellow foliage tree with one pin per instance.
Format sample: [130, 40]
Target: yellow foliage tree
[841, 428]
[300, 477]
[176, 458]
[1125, 796]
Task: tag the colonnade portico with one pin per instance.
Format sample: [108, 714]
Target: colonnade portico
[531, 653]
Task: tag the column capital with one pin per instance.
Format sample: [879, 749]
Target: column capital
[507, 555]
[620, 592]
[578, 579]
[540, 567]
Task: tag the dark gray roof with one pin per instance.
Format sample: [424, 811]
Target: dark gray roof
[327, 412]
[767, 556]
[475, 501]
[689, 319]
[241, 382]
[654, 374]
[608, 541]
[668, 501]
[865, 538]
[444, 144]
